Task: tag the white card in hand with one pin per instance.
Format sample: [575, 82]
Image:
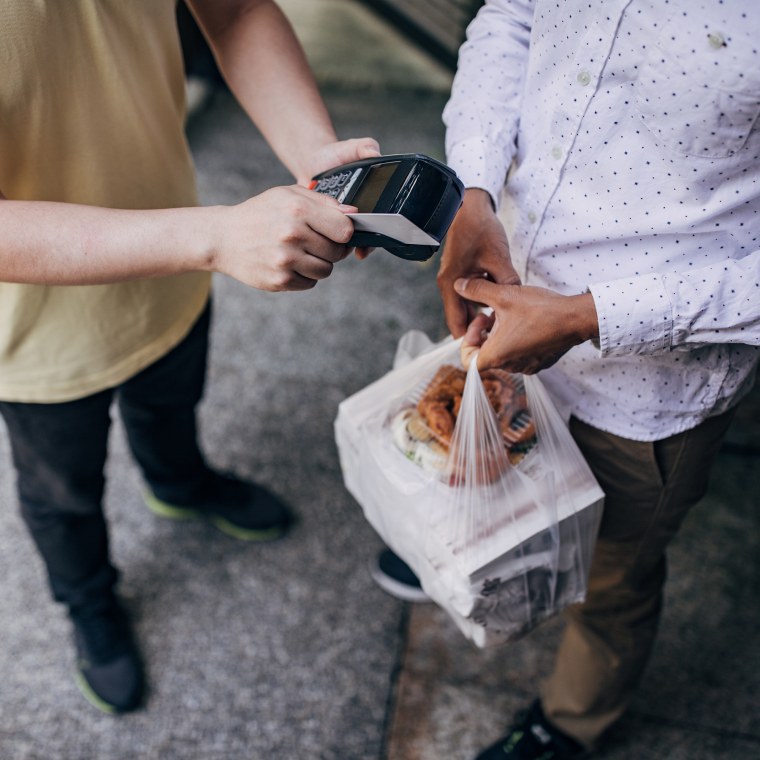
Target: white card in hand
[393, 226]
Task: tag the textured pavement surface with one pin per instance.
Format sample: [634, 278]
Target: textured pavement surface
[288, 650]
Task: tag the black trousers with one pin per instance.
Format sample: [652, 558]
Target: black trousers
[59, 452]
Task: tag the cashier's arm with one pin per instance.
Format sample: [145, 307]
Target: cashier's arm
[287, 238]
[265, 66]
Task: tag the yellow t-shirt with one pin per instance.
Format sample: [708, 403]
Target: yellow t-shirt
[92, 111]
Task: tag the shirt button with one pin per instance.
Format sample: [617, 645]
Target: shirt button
[716, 40]
[532, 217]
[557, 152]
[584, 77]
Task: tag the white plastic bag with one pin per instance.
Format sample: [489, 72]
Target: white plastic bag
[498, 516]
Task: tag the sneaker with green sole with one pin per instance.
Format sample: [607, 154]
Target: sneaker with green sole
[239, 508]
[109, 671]
[532, 737]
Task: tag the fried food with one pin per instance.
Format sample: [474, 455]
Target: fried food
[442, 399]
[425, 431]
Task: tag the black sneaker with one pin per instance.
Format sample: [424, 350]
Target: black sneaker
[237, 507]
[395, 577]
[534, 738]
[109, 672]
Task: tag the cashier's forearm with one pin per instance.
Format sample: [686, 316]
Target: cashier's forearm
[69, 244]
[265, 66]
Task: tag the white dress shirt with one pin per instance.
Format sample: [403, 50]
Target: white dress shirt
[628, 135]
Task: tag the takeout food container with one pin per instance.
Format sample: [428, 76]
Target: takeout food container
[527, 562]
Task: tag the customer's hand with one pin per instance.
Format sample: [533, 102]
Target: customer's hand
[476, 246]
[287, 238]
[530, 328]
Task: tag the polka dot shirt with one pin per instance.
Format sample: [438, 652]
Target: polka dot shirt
[628, 134]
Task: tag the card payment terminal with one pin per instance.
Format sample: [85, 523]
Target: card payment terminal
[405, 202]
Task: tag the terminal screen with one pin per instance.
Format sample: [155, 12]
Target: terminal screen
[372, 187]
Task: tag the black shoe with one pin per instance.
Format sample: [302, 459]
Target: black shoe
[395, 577]
[237, 507]
[534, 738]
[109, 672]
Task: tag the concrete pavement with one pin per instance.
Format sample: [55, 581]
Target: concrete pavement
[288, 650]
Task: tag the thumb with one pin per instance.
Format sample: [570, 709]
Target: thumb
[369, 148]
[478, 290]
[357, 148]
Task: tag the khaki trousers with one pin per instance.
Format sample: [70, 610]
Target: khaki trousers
[649, 489]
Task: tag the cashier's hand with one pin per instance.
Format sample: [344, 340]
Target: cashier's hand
[344, 152]
[336, 153]
[530, 328]
[476, 246]
[287, 238]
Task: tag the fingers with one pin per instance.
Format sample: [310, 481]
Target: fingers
[478, 290]
[457, 312]
[362, 253]
[287, 238]
[296, 282]
[532, 328]
[502, 271]
[474, 337]
[341, 152]
[332, 232]
[320, 225]
[467, 352]
[476, 247]
[312, 267]
[367, 147]
[357, 148]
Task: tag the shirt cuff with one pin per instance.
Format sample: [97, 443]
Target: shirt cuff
[635, 316]
[478, 164]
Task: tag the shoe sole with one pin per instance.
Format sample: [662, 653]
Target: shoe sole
[173, 512]
[398, 590]
[92, 697]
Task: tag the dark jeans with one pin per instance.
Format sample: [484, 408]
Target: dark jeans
[59, 451]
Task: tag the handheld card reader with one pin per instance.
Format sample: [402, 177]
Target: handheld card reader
[406, 202]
